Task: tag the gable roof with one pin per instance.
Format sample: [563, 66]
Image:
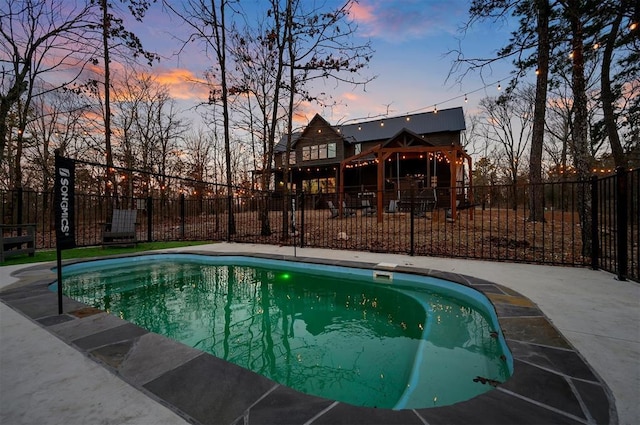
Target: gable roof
[445, 120]
[415, 138]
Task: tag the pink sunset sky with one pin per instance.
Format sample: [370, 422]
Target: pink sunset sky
[411, 39]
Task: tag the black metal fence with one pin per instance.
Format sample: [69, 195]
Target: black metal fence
[492, 223]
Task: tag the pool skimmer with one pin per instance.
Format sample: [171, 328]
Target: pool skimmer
[384, 272]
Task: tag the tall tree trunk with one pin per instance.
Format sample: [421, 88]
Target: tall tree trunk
[292, 92]
[580, 142]
[110, 183]
[220, 32]
[536, 199]
[281, 43]
[606, 94]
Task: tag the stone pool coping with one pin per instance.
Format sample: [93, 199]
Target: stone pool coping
[551, 383]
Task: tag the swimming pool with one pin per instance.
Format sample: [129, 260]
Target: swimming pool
[336, 332]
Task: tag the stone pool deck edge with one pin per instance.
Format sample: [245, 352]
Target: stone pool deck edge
[551, 383]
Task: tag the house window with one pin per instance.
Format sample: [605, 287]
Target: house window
[322, 152]
[358, 149]
[320, 185]
[331, 150]
[292, 157]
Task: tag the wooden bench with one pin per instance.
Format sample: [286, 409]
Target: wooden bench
[14, 242]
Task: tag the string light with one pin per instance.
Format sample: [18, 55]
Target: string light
[464, 96]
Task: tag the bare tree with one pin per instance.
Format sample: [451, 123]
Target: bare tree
[319, 45]
[38, 37]
[56, 121]
[507, 123]
[208, 21]
[259, 55]
[116, 39]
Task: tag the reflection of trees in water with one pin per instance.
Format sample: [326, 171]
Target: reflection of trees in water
[287, 329]
[455, 324]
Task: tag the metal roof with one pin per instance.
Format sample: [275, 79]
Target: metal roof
[281, 146]
[384, 128]
[444, 120]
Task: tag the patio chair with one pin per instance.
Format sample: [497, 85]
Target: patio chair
[367, 209]
[334, 211]
[122, 229]
[346, 211]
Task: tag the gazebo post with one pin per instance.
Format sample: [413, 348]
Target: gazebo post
[471, 195]
[341, 188]
[380, 194]
[453, 165]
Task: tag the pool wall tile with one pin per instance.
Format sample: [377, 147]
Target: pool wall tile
[113, 354]
[508, 310]
[90, 325]
[495, 408]
[143, 364]
[354, 415]
[55, 320]
[300, 408]
[38, 306]
[566, 362]
[110, 336]
[542, 386]
[488, 289]
[210, 390]
[536, 330]
[595, 400]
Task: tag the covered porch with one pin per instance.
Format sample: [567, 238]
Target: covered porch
[405, 170]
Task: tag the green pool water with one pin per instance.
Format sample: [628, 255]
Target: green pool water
[341, 336]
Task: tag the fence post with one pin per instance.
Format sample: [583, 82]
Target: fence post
[20, 212]
[412, 221]
[149, 219]
[301, 219]
[595, 240]
[182, 215]
[622, 203]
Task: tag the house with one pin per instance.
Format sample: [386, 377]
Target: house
[391, 157]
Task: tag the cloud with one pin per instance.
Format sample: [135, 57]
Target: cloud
[403, 20]
[182, 83]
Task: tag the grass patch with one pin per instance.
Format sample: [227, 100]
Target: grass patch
[96, 251]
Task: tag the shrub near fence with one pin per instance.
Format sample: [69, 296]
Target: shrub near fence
[495, 227]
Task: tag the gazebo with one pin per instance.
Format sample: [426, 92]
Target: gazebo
[408, 145]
